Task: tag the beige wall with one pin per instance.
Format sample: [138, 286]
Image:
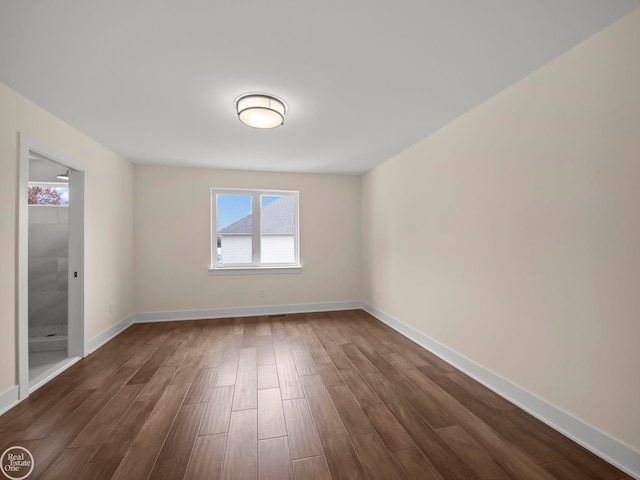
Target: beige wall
[512, 235]
[172, 235]
[109, 214]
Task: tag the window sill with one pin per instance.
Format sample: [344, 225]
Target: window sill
[254, 270]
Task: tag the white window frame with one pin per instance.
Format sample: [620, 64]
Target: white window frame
[255, 267]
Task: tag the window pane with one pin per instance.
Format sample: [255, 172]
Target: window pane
[277, 229]
[56, 194]
[234, 226]
[254, 228]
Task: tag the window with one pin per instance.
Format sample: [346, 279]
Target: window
[244, 240]
[51, 194]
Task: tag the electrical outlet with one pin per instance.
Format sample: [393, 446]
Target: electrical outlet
[112, 308]
[262, 293]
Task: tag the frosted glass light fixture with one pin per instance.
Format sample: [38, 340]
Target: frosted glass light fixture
[259, 110]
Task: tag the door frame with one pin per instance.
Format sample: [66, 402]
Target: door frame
[77, 345]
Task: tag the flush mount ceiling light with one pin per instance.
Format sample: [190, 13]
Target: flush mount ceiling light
[259, 110]
[64, 176]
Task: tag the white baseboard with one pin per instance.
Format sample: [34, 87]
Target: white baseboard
[245, 311]
[9, 399]
[51, 373]
[111, 332]
[598, 442]
[148, 317]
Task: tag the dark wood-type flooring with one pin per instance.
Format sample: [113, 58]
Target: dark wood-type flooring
[311, 396]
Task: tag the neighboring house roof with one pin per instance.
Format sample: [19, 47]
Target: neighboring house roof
[277, 218]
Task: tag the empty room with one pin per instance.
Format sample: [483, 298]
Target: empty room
[343, 240]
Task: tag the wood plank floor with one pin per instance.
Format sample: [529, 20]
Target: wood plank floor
[321, 396]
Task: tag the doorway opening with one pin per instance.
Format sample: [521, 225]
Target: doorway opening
[48, 201]
[50, 265]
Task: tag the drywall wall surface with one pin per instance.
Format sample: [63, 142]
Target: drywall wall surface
[173, 235]
[109, 221]
[512, 235]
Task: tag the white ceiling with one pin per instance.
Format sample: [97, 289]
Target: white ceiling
[155, 80]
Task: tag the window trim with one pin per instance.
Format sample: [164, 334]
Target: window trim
[255, 266]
